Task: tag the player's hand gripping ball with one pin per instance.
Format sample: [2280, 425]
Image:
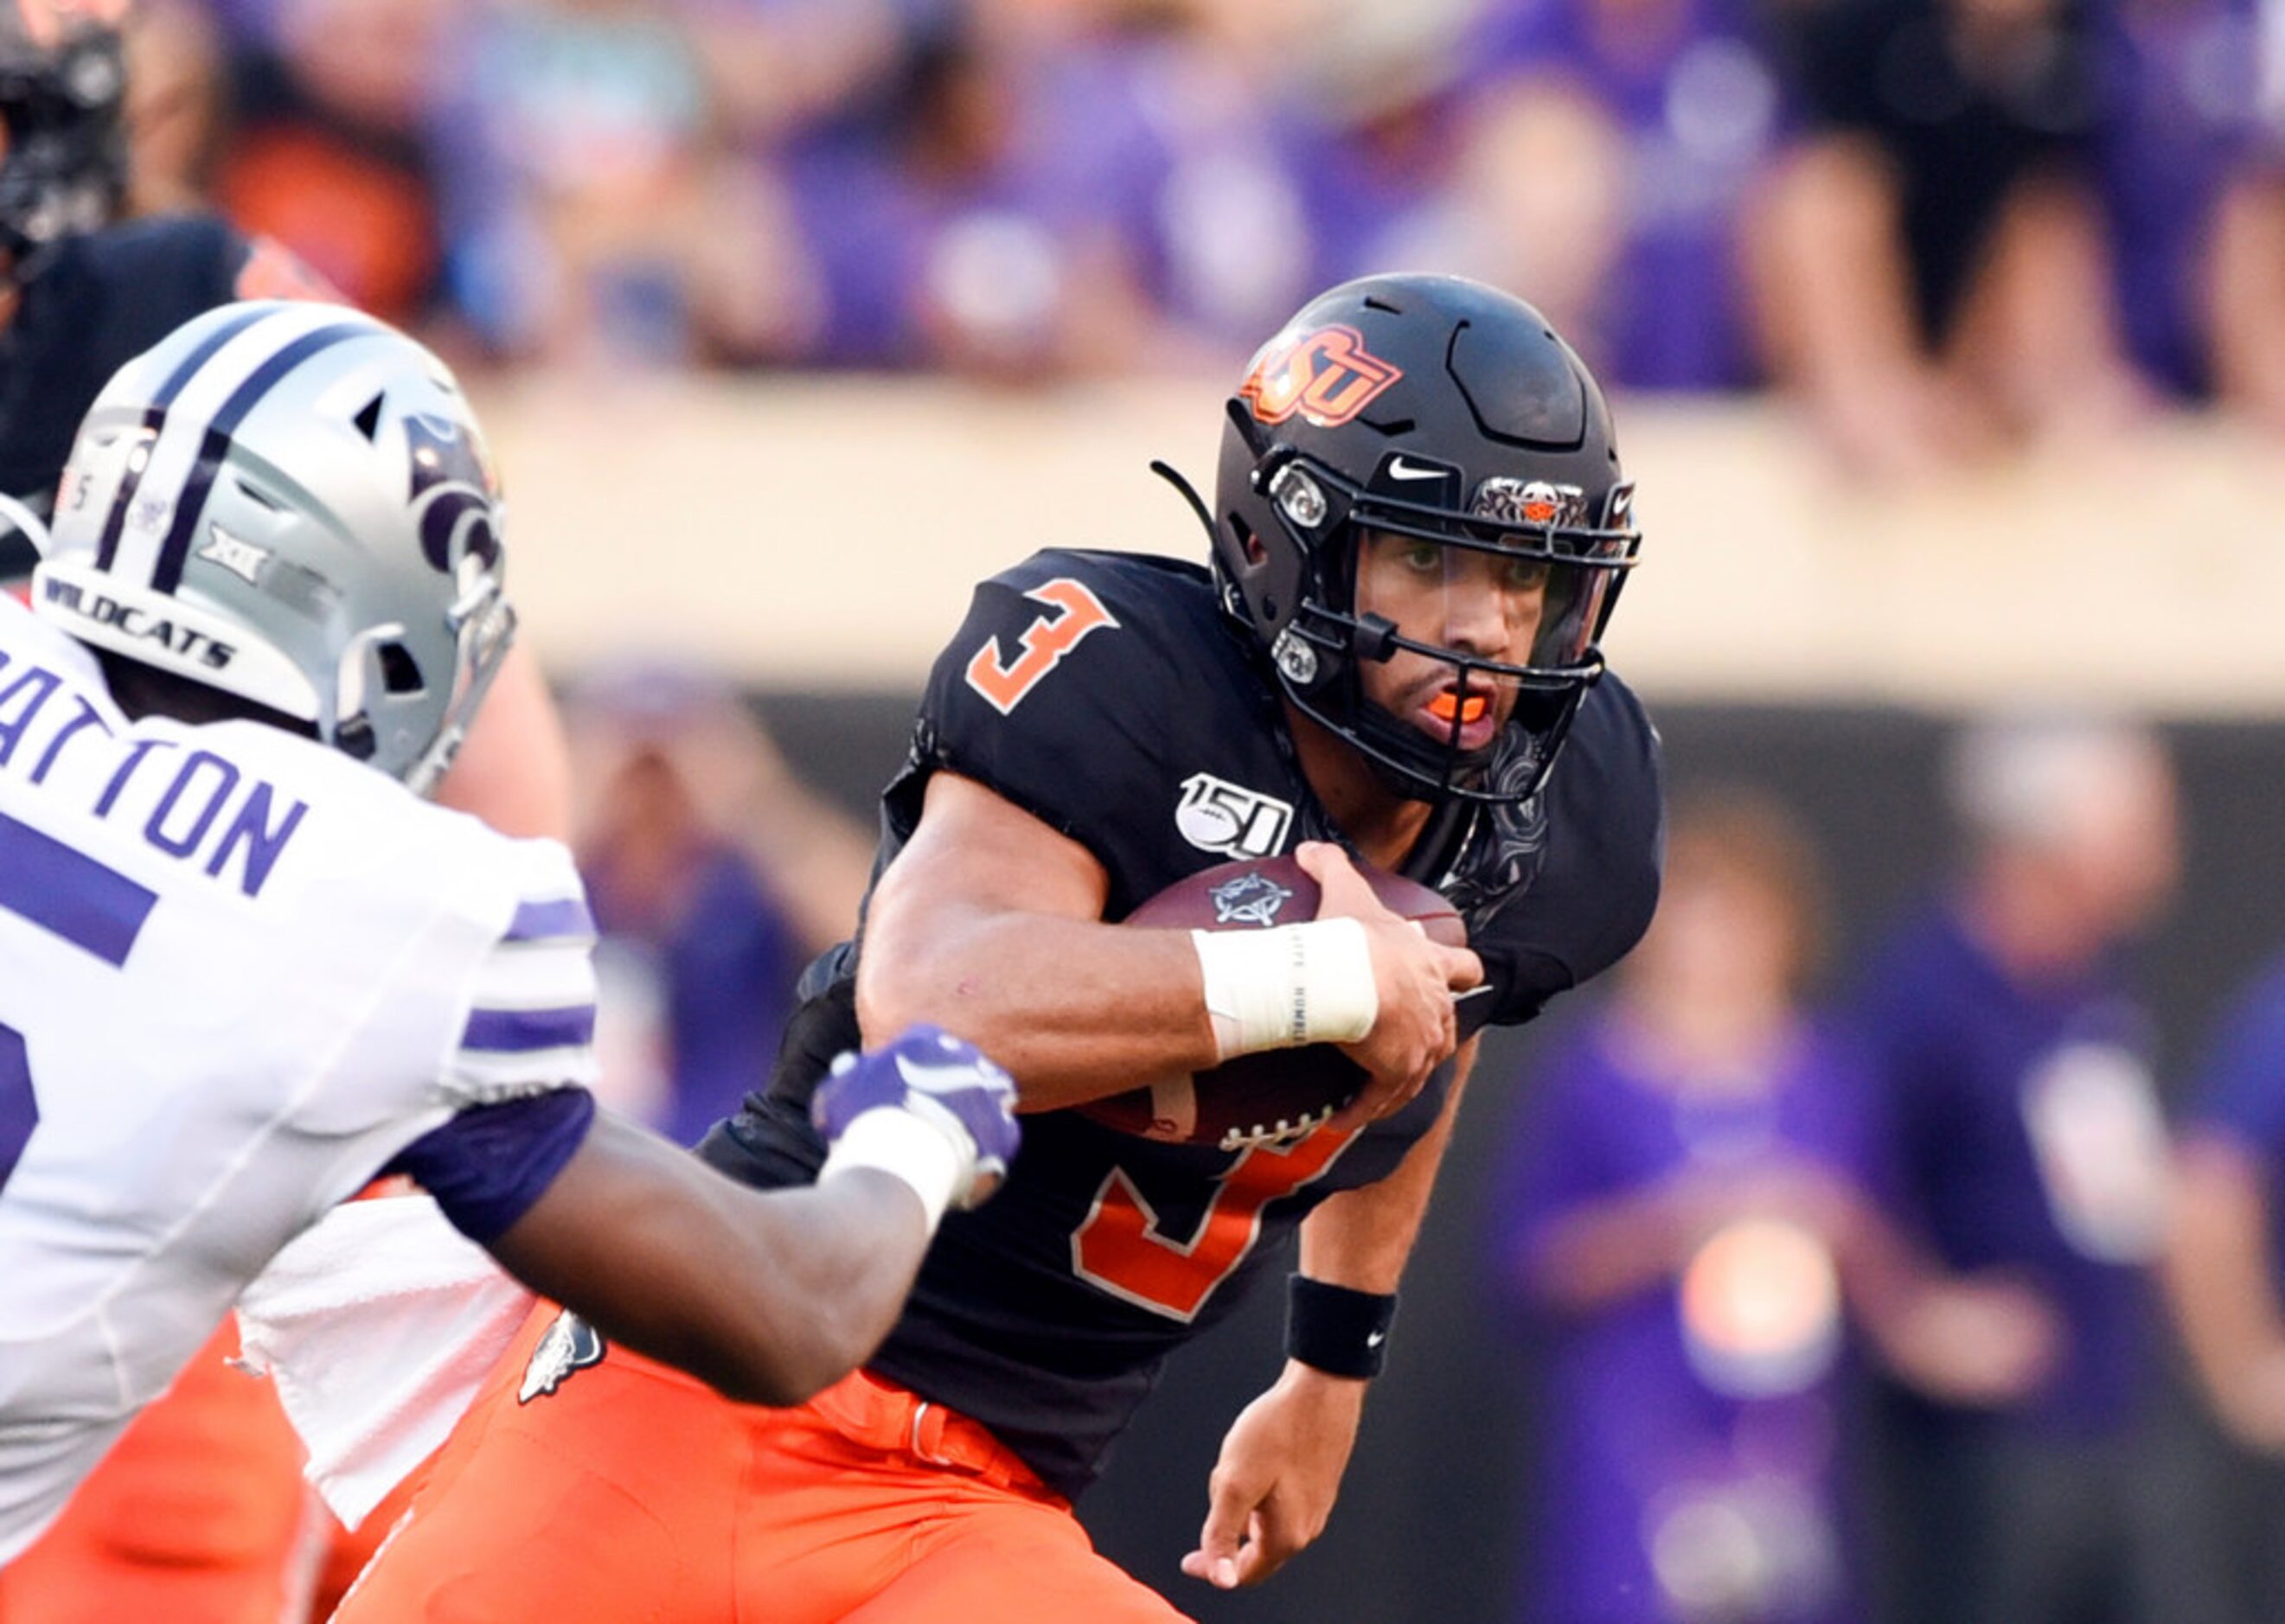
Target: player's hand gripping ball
[1276, 1096]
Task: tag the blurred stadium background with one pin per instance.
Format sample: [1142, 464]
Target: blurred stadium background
[790, 318]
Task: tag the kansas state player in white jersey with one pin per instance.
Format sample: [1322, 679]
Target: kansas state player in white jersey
[245, 967]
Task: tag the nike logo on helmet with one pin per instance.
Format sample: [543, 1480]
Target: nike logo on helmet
[1398, 469]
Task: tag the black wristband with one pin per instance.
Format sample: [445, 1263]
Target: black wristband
[1335, 1329]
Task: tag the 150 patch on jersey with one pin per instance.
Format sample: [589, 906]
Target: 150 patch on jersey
[1215, 815]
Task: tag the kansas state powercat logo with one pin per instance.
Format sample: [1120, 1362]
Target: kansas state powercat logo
[448, 461]
[570, 1344]
[1249, 900]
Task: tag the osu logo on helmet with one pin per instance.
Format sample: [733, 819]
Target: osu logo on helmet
[1326, 375]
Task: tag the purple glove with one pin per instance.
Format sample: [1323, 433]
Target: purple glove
[931, 1074]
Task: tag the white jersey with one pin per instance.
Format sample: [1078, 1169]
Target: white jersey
[238, 974]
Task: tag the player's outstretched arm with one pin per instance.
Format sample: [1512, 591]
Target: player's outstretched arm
[770, 1296]
[1280, 1470]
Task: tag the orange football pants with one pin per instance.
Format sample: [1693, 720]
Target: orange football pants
[197, 1516]
[633, 1493]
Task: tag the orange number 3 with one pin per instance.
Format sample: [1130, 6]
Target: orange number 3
[1045, 641]
[1119, 1247]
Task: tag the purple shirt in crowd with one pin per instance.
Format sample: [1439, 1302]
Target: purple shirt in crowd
[2184, 119]
[1687, 87]
[2240, 1094]
[2012, 1109]
[1650, 1437]
[727, 966]
[890, 237]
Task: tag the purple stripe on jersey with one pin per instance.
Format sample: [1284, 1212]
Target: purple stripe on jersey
[71, 894]
[513, 1031]
[487, 1166]
[537, 922]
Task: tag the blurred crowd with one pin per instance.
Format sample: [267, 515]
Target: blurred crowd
[1862, 1294]
[1950, 224]
[715, 873]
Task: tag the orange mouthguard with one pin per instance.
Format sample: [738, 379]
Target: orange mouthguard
[1442, 706]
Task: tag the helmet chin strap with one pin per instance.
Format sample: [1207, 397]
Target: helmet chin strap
[1393, 740]
[1374, 639]
[423, 777]
[483, 662]
[1406, 763]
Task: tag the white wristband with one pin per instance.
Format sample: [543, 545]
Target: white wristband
[1284, 987]
[898, 1143]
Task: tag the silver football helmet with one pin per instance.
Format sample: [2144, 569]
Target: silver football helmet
[292, 503]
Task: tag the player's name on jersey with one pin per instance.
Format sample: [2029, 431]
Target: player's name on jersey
[187, 802]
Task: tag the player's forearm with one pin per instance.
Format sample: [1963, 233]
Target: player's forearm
[989, 924]
[841, 1258]
[1362, 1237]
[766, 1296]
[1075, 1009]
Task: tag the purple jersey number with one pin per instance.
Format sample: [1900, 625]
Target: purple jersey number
[78, 900]
[19, 1112]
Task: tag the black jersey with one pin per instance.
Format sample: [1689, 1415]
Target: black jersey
[95, 304]
[1107, 695]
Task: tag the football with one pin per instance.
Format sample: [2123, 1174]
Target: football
[1276, 1095]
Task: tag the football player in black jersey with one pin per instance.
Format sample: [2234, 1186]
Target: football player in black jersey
[1418, 531]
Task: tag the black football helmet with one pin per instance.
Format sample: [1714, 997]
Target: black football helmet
[63, 92]
[1449, 414]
